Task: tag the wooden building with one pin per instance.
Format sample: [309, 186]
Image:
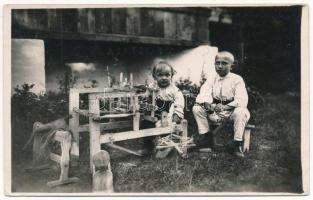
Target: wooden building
[125, 40]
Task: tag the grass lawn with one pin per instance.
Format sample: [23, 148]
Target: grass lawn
[273, 164]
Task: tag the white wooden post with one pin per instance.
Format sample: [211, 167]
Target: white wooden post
[74, 119]
[184, 125]
[136, 118]
[164, 121]
[153, 103]
[246, 140]
[94, 128]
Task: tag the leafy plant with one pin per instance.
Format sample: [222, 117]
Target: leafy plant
[27, 108]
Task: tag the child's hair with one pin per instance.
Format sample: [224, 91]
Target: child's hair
[162, 62]
[227, 55]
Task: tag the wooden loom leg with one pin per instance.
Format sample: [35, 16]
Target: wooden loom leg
[246, 140]
[136, 121]
[64, 162]
[164, 121]
[136, 118]
[184, 125]
[94, 128]
[74, 120]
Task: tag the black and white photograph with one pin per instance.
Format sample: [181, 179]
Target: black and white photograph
[155, 100]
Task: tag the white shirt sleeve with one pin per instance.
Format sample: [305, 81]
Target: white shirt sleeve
[205, 94]
[179, 103]
[241, 95]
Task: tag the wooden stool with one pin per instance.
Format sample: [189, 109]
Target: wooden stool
[246, 134]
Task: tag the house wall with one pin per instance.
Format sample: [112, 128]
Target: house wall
[28, 64]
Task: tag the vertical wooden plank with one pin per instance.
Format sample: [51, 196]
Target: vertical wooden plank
[153, 103]
[119, 20]
[103, 20]
[86, 20]
[19, 17]
[54, 20]
[184, 125]
[202, 26]
[82, 20]
[94, 128]
[133, 21]
[170, 26]
[65, 155]
[186, 27]
[152, 23]
[164, 119]
[136, 119]
[246, 142]
[39, 19]
[69, 20]
[32, 19]
[146, 22]
[74, 119]
[158, 19]
[91, 21]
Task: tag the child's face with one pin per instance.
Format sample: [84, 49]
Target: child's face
[222, 66]
[163, 75]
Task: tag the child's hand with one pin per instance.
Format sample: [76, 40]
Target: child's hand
[218, 107]
[209, 107]
[176, 118]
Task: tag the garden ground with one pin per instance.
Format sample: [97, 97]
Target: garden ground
[273, 164]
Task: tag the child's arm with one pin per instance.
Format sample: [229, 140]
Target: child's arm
[179, 104]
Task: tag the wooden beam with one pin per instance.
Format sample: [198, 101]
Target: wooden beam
[59, 135]
[128, 135]
[74, 120]
[113, 116]
[123, 149]
[107, 126]
[55, 157]
[206, 12]
[63, 182]
[106, 37]
[94, 128]
[150, 119]
[38, 168]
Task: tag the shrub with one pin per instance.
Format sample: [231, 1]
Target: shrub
[28, 108]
